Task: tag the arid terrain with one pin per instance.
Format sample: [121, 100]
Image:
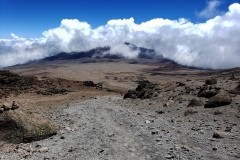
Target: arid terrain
[141, 109]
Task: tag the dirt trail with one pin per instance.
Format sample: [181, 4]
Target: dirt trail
[109, 128]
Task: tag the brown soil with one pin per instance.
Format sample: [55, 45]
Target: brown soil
[93, 126]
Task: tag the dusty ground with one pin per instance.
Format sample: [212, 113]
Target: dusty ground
[100, 124]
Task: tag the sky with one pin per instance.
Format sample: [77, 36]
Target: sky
[29, 18]
[199, 33]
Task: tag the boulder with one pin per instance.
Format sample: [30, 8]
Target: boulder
[27, 127]
[211, 81]
[235, 90]
[221, 99]
[195, 102]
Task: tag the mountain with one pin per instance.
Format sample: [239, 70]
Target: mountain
[104, 52]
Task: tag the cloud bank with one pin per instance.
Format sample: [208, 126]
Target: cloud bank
[213, 44]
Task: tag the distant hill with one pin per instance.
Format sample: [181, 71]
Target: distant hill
[103, 52]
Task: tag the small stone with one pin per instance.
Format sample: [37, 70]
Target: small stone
[217, 112]
[201, 131]
[228, 129]
[158, 140]
[43, 149]
[97, 97]
[14, 105]
[101, 151]
[160, 112]
[68, 128]
[169, 103]
[219, 134]
[168, 156]
[214, 148]
[185, 148]
[111, 135]
[154, 132]
[46, 158]
[147, 122]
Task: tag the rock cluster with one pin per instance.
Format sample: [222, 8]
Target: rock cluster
[144, 90]
[7, 106]
[215, 95]
[208, 91]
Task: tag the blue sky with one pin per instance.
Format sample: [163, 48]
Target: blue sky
[29, 18]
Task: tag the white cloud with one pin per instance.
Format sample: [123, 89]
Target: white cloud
[211, 10]
[213, 44]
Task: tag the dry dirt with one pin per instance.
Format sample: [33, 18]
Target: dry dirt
[99, 124]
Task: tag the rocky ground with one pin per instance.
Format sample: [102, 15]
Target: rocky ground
[181, 115]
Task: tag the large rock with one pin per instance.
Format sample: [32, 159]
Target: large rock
[144, 90]
[26, 127]
[211, 81]
[235, 90]
[221, 99]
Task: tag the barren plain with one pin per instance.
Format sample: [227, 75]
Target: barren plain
[134, 109]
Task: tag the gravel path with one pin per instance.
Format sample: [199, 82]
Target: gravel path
[108, 128]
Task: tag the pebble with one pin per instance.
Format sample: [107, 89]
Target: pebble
[214, 148]
[43, 149]
[201, 131]
[185, 148]
[68, 128]
[169, 156]
[147, 122]
[154, 132]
